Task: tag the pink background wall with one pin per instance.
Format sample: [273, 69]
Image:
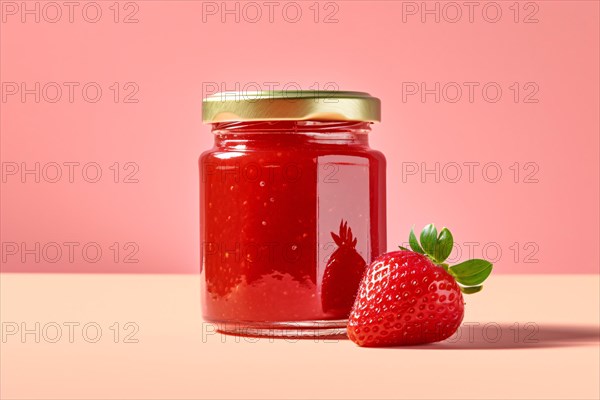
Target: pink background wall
[542, 220]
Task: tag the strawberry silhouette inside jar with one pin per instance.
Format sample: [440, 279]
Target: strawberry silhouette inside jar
[292, 209]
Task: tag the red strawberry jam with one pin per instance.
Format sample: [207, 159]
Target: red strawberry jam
[272, 193]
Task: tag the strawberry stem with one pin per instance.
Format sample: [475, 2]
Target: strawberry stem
[468, 274]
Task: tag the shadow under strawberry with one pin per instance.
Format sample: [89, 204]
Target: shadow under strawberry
[342, 276]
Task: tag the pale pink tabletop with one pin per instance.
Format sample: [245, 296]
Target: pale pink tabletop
[524, 337]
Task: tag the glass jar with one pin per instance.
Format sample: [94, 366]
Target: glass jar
[292, 209]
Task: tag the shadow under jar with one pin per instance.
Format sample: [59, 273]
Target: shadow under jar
[292, 209]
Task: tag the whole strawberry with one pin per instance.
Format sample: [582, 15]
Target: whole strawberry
[342, 275]
[412, 297]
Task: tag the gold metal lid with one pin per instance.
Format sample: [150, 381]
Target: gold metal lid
[286, 105]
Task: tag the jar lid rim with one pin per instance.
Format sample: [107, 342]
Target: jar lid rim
[285, 105]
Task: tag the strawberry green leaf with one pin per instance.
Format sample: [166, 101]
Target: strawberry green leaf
[414, 243]
[444, 244]
[470, 267]
[471, 289]
[471, 272]
[403, 248]
[429, 239]
[336, 239]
